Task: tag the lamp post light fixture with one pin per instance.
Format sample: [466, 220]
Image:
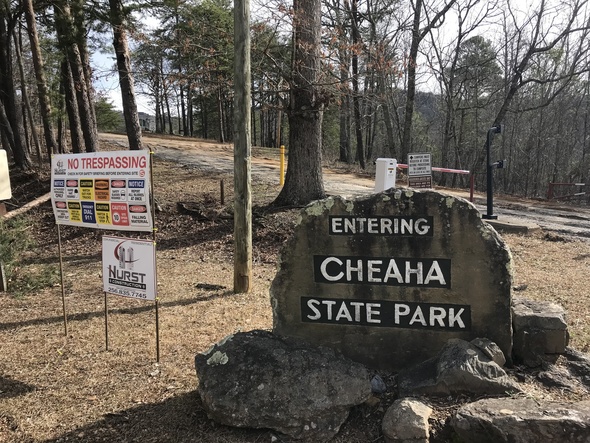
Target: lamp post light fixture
[499, 164]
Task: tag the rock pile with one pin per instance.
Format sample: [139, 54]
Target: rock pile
[257, 379]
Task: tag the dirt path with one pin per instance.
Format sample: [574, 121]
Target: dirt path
[218, 157]
[207, 155]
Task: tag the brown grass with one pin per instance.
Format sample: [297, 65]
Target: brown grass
[55, 388]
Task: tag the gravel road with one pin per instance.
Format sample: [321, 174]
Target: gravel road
[562, 219]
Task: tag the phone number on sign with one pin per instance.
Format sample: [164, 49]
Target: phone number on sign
[126, 292]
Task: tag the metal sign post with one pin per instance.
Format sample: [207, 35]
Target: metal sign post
[63, 287]
[108, 190]
[106, 323]
[489, 179]
[154, 230]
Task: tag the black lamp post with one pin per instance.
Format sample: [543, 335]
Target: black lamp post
[490, 207]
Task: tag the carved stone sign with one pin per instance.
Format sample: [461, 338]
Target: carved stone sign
[388, 279]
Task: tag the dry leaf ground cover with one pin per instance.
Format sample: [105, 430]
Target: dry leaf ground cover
[57, 388]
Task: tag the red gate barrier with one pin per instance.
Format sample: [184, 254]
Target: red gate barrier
[451, 171]
[552, 186]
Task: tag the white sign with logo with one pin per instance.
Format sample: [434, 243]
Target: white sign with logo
[106, 190]
[129, 267]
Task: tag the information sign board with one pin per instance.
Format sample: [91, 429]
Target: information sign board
[419, 170]
[419, 164]
[106, 190]
[420, 181]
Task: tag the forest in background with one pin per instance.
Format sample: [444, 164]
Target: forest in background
[395, 76]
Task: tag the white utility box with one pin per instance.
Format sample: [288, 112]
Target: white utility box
[385, 173]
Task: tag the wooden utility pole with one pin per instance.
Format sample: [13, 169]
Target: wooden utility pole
[242, 149]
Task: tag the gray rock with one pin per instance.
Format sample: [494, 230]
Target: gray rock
[560, 377]
[540, 331]
[259, 380]
[522, 420]
[406, 421]
[490, 349]
[578, 364]
[461, 367]
[537, 314]
[378, 386]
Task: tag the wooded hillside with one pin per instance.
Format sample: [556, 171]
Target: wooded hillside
[392, 78]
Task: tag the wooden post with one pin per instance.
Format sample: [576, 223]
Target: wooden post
[242, 149]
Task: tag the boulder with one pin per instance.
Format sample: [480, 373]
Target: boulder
[406, 421]
[554, 376]
[388, 278]
[522, 420]
[540, 331]
[460, 368]
[578, 363]
[259, 380]
[491, 349]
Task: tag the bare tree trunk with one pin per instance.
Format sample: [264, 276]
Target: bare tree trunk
[178, 120]
[168, 115]
[61, 123]
[356, 38]
[411, 86]
[61, 139]
[125, 75]
[76, 133]
[344, 109]
[65, 33]
[7, 134]
[253, 116]
[26, 132]
[183, 110]
[189, 110]
[44, 103]
[25, 97]
[10, 124]
[78, 16]
[418, 35]
[220, 118]
[205, 122]
[304, 181]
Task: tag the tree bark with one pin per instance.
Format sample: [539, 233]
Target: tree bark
[356, 40]
[304, 181]
[28, 114]
[79, 17]
[76, 134]
[10, 121]
[42, 92]
[242, 150]
[417, 37]
[221, 115]
[411, 86]
[7, 134]
[66, 36]
[125, 75]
